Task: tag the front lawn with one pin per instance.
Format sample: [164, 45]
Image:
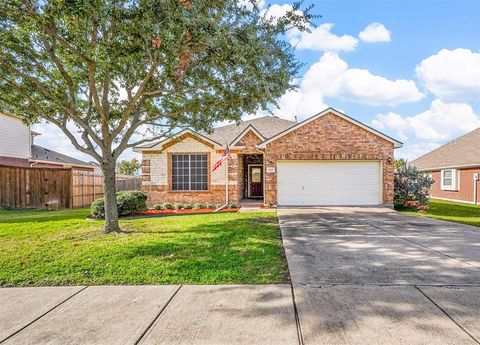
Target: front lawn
[62, 248]
[451, 211]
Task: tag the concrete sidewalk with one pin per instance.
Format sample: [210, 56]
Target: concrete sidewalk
[246, 314]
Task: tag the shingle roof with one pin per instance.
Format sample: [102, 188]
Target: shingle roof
[268, 126]
[43, 154]
[463, 151]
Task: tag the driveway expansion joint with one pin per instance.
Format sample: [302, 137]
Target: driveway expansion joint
[446, 314]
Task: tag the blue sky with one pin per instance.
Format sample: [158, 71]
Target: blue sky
[414, 73]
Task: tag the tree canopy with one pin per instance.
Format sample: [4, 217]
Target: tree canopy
[115, 74]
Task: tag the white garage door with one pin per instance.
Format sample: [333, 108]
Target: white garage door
[317, 183]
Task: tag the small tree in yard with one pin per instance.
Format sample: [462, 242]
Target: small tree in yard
[128, 167]
[104, 72]
[411, 188]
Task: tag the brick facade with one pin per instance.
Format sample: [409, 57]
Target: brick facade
[465, 186]
[329, 137]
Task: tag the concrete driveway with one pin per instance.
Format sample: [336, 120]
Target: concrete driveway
[372, 275]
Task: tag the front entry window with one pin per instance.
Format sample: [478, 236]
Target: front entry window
[256, 175]
[189, 172]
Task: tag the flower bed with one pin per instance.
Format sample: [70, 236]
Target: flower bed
[153, 212]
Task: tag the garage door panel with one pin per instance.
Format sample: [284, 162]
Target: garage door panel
[313, 183]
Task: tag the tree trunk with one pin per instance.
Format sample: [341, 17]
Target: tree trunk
[110, 197]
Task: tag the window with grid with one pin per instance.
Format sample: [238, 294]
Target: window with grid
[189, 172]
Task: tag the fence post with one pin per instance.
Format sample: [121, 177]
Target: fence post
[83, 188]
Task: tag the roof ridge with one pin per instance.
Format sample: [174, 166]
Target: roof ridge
[256, 119]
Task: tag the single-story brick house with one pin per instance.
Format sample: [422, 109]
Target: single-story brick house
[455, 169]
[328, 159]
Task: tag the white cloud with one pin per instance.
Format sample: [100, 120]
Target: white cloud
[424, 131]
[321, 38]
[331, 77]
[375, 32]
[248, 3]
[277, 11]
[452, 75]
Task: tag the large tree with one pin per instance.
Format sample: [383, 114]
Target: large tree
[104, 72]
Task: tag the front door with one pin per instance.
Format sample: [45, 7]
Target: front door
[255, 181]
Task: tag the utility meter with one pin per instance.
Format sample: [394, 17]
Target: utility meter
[475, 177]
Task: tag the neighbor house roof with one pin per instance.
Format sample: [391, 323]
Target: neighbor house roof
[43, 154]
[461, 152]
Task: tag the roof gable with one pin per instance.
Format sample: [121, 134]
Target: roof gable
[397, 144]
[249, 129]
[176, 138]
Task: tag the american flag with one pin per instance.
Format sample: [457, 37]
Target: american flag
[225, 155]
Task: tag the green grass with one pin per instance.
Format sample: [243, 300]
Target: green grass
[451, 211]
[62, 248]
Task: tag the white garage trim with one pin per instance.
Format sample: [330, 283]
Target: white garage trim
[329, 183]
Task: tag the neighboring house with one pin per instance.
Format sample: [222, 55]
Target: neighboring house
[328, 159]
[17, 148]
[455, 169]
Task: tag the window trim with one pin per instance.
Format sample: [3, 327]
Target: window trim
[454, 179]
[170, 170]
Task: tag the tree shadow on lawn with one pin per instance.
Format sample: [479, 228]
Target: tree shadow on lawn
[224, 250]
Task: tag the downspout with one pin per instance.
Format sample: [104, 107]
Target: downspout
[475, 182]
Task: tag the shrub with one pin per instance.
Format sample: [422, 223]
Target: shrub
[198, 205]
[178, 206]
[209, 205]
[218, 206]
[158, 207]
[232, 205]
[168, 205]
[98, 208]
[128, 203]
[131, 202]
[269, 204]
[411, 188]
[187, 206]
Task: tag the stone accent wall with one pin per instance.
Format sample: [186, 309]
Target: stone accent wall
[329, 137]
[465, 186]
[156, 169]
[145, 169]
[159, 161]
[250, 140]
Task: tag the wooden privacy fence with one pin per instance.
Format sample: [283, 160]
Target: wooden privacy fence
[47, 188]
[126, 182]
[40, 188]
[86, 187]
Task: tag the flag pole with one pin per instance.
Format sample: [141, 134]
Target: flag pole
[226, 182]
